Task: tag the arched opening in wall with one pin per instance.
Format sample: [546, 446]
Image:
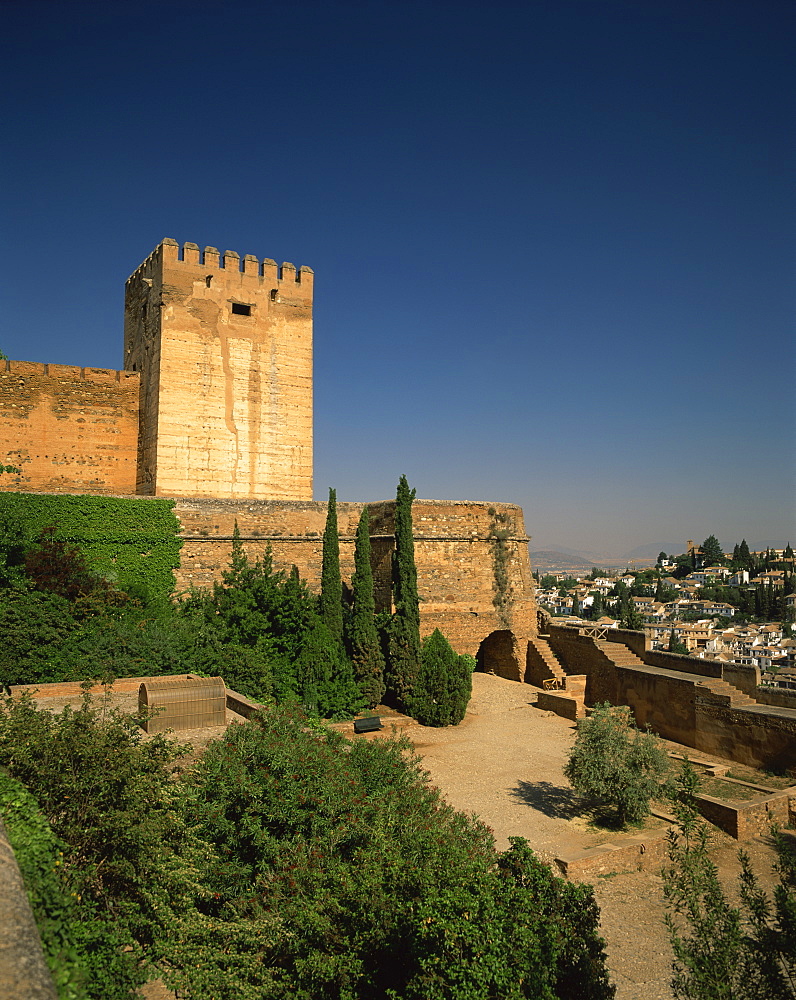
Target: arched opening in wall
[497, 655]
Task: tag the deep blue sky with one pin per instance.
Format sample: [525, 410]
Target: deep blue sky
[553, 241]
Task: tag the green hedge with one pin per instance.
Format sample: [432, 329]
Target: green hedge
[134, 543]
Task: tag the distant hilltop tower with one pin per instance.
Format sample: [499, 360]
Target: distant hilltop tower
[224, 351]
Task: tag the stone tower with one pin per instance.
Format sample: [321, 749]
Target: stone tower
[224, 348]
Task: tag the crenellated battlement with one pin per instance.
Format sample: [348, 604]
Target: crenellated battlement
[28, 369]
[169, 252]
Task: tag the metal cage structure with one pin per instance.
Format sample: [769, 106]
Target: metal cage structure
[183, 703]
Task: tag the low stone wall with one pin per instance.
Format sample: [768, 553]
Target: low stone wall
[73, 689]
[642, 853]
[688, 664]
[745, 820]
[778, 697]
[562, 704]
[745, 678]
[758, 736]
[578, 655]
[670, 702]
[242, 705]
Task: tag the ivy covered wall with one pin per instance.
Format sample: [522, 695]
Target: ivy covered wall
[132, 542]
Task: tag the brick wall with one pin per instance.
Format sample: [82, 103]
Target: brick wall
[68, 430]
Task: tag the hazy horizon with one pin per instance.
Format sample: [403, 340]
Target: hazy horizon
[553, 242]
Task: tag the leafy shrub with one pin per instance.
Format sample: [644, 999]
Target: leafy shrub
[723, 951]
[109, 798]
[133, 544]
[613, 761]
[364, 646]
[343, 874]
[39, 854]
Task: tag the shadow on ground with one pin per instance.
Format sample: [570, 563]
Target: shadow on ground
[550, 799]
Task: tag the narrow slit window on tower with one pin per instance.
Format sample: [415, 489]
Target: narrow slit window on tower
[240, 309]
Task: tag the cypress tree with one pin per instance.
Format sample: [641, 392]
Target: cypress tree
[404, 658]
[444, 684]
[331, 584]
[364, 645]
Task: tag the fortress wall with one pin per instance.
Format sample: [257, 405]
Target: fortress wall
[453, 552]
[68, 430]
[690, 664]
[758, 735]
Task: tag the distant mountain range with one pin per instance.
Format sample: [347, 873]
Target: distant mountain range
[560, 558]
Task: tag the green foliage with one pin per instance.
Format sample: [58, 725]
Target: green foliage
[108, 798]
[722, 951]
[404, 656]
[260, 630]
[331, 603]
[132, 544]
[444, 684]
[325, 677]
[287, 863]
[615, 762]
[59, 567]
[499, 534]
[343, 874]
[35, 628]
[39, 854]
[363, 640]
[675, 645]
[631, 617]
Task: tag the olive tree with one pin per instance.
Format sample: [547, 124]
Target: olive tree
[612, 760]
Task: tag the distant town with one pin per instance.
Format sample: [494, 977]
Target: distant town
[736, 606]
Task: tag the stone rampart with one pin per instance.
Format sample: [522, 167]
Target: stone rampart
[677, 705]
[68, 430]
[680, 661]
[456, 551]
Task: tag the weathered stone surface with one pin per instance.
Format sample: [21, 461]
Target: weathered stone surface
[226, 361]
[23, 970]
[68, 429]
[454, 553]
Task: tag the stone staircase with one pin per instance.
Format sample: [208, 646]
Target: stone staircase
[547, 671]
[715, 685]
[619, 654]
[624, 657]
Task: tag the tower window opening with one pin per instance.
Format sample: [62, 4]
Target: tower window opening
[239, 309]
[209, 280]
